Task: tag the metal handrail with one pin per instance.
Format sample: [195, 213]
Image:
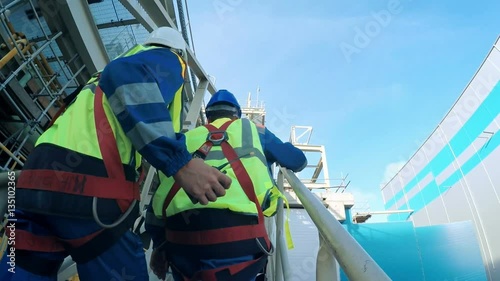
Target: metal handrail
[357, 264]
[282, 268]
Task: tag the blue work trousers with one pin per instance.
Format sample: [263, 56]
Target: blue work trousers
[190, 265]
[125, 260]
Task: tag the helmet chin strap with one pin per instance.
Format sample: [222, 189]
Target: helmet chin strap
[182, 53]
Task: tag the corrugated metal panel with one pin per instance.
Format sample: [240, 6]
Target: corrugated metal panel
[462, 156]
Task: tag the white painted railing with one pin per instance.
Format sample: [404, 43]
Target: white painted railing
[337, 246]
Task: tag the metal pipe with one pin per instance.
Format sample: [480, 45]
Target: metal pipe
[21, 67]
[270, 224]
[49, 69]
[41, 68]
[354, 260]
[48, 94]
[44, 112]
[55, 76]
[278, 273]
[10, 5]
[43, 74]
[51, 48]
[11, 54]
[4, 23]
[4, 148]
[283, 269]
[182, 22]
[30, 59]
[20, 156]
[40, 72]
[18, 132]
[24, 42]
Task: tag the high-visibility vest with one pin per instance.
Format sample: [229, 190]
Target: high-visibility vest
[89, 127]
[243, 137]
[233, 147]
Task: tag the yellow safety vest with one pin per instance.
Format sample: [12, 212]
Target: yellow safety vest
[75, 129]
[243, 137]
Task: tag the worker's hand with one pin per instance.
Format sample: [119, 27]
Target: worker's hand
[203, 182]
[158, 263]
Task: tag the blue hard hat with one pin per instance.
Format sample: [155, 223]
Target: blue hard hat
[224, 97]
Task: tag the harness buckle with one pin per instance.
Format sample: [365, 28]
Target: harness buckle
[217, 137]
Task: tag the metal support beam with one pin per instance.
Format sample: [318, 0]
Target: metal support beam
[194, 110]
[160, 17]
[138, 13]
[169, 6]
[117, 23]
[317, 171]
[81, 35]
[83, 30]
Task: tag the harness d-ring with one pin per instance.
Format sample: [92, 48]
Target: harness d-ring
[266, 252]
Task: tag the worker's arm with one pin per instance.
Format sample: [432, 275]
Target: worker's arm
[138, 89]
[285, 154]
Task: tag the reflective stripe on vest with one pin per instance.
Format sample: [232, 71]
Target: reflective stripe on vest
[243, 137]
[175, 107]
[98, 135]
[227, 234]
[84, 140]
[115, 186]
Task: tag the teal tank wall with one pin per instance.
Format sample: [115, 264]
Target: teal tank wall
[430, 253]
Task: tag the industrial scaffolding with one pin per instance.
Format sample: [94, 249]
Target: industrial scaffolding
[55, 51]
[34, 80]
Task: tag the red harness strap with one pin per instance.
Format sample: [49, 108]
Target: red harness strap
[203, 150]
[26, 240]
[115, 186]
[223, 235]
[58, 113]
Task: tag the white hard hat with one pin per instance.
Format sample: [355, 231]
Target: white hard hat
[167, 36]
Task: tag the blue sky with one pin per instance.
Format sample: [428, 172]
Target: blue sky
[373, 78]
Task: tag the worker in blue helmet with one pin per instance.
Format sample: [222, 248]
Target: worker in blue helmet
[222, 102]
[226, 239]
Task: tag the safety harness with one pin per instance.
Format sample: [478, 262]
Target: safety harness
[240, 271]
[115, 186]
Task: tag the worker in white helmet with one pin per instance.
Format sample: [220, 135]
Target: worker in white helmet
[77, 193]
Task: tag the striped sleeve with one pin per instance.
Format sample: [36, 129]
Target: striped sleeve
[285, 154]
[139, 88]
